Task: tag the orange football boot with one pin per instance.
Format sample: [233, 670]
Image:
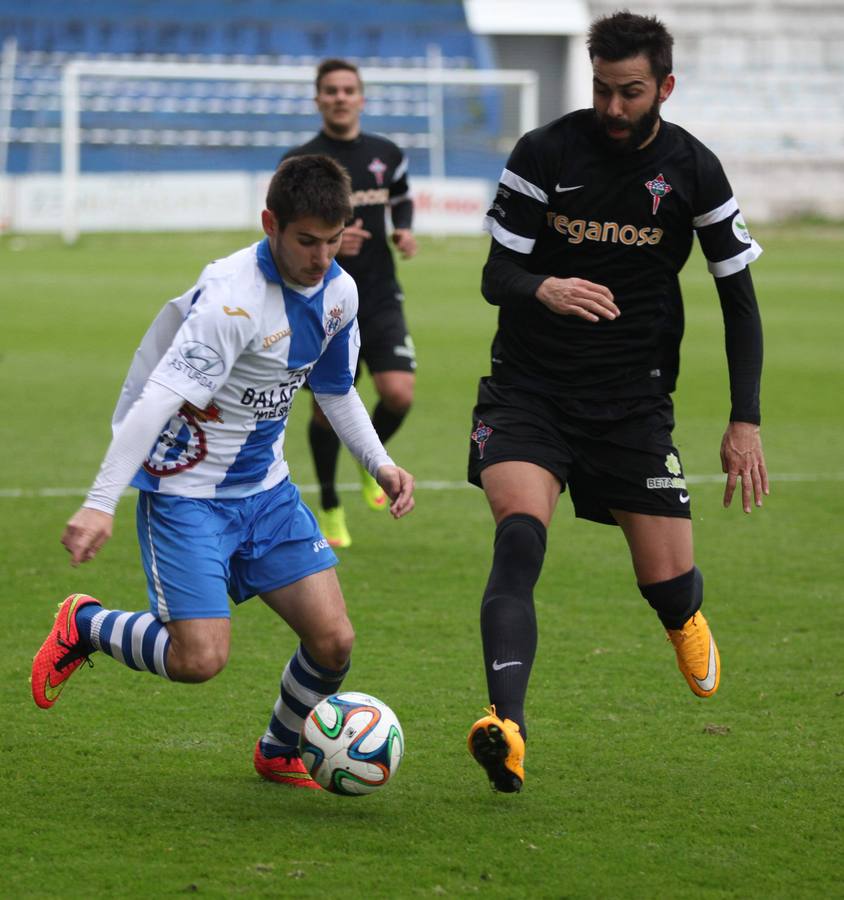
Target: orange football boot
[498, 746]
[286, 769]
[61, 654]
[697, 656]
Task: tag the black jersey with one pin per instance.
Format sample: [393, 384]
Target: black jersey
[378, 170]
[568, 206]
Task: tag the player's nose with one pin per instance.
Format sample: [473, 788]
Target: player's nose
[615, 108]
[322, 256]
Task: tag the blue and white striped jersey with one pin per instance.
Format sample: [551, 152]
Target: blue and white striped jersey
[237, 346]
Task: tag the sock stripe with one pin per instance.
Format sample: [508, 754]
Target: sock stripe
[114, 645]
[131, 652]
[314, 680]
[301, 709]
[304, 683]
[137, 639]
[159, 652]
[139, 635]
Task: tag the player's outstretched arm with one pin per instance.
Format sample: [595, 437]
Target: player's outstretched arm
[398, 485]
[85, 534]
[351, 423]
[91, 526]
[742, 457]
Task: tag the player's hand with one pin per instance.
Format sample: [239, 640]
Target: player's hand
[85, 533]
[398, 486]
[742, 457]
[405, 242]
[577, 297]
[353, 237]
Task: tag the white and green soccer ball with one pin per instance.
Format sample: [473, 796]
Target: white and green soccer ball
[352, 743]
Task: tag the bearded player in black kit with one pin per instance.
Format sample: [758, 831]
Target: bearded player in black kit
[593, 220]
[378, 170]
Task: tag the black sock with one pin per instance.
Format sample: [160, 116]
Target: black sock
[325, 449]
[508, 618]
[386, 423]
[677, 599]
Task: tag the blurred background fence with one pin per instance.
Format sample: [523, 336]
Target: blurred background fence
[762, 83]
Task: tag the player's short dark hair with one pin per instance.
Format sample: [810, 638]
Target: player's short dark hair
[625, 34]
[310, 186]
[335, 64]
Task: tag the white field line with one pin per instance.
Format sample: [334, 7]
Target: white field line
[18, 493]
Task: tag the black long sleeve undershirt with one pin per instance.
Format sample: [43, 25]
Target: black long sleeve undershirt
[743, 339]
[506, 283]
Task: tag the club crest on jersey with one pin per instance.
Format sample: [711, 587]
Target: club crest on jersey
[480, 436]
[658, 188]
[378, 169]
[182, 444]
[334, 320]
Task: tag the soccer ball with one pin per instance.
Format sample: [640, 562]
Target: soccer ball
[352, 744]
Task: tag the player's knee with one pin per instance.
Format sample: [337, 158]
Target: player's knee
[197, 665]
[519, 551]
[333, 647]
[677, 599]
[398, 401]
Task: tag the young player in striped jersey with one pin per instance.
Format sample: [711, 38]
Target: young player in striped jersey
[378, 169]
[593, 220]
[209, 391]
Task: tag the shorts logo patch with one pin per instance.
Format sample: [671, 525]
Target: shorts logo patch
[672, 464]
[658, 188]
[480, 436]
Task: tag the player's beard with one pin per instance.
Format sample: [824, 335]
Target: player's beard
[640, 130]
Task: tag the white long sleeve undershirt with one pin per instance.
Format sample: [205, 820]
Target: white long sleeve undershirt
[131, 444]
[157, 404]
[351, 423]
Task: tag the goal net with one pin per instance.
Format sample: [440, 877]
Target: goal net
[184, 127]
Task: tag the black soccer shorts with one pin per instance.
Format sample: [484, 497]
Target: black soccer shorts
[612, 455]
[385, 344]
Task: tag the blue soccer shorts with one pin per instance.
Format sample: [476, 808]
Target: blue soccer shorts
[196, 553]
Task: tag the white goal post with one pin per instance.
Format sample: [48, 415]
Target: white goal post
[434, 78]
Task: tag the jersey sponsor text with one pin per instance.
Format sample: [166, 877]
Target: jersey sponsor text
[579, 230]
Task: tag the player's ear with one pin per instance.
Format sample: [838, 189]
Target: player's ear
[269, 222]
[665, 89]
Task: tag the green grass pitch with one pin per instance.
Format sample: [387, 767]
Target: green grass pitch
[133, 787]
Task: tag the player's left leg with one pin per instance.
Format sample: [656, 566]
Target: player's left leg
[314, 608]
[663, 559]
[290, 565]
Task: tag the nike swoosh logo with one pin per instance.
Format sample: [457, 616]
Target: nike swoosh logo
[237, 311]
[562, 190]
[51, 692]
[706, 684]
[684, 497]
[497, 666]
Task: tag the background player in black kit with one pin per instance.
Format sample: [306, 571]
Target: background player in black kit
[378, 170]
[593, 220]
